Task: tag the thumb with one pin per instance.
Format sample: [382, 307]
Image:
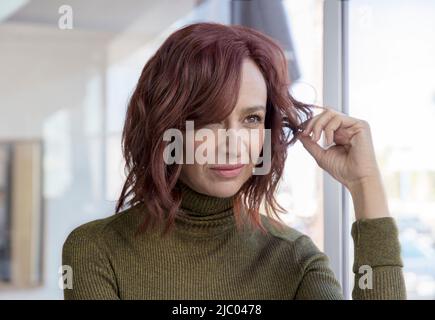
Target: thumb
[312, 147]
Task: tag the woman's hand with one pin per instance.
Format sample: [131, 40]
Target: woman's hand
[351, 160]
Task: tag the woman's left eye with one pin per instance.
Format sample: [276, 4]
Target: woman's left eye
[253, 118]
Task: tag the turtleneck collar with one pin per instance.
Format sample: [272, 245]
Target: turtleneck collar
[204, 215]
[199, 204]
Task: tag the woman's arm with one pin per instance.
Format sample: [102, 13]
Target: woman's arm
[377, 265]
[350, 159]
[318, 280]
[92, 275]
[377, 262]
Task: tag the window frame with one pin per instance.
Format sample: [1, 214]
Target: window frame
[337, 244]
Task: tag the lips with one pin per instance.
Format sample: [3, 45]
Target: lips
[227, 167]
[228, 171]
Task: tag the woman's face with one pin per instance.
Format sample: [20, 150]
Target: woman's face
[246, 122]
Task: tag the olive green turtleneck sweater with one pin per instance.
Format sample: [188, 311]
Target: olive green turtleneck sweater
[207, 258]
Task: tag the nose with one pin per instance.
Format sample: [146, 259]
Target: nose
[232, 144]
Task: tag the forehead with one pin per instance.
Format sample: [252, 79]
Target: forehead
[253, 89]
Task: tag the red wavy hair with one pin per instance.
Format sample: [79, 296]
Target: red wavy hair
[195, 75]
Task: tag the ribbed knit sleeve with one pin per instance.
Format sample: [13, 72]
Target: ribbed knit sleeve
[377, 265]
[92, 276]
[377, 261]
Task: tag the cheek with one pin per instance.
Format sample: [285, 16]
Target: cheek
[193, 172]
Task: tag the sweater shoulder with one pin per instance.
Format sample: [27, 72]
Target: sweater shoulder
[293, 239]
[103, 229]
[284, 232]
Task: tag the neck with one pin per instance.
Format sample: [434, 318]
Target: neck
[203, 215]
[199, 204]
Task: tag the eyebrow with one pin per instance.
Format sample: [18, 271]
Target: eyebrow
[254, 108]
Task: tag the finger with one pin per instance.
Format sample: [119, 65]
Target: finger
[331, 127]
[320, 124]
[308, 125]
[313, 148]
[347, 121]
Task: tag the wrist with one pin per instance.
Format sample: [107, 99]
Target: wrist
[365, 183]
[369, 198]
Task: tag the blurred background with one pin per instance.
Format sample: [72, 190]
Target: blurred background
[68, 68]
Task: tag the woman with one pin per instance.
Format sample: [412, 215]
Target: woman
[192, 230]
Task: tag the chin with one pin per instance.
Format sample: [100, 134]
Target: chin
[226, 189]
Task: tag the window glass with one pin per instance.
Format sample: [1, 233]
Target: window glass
[392, 86]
